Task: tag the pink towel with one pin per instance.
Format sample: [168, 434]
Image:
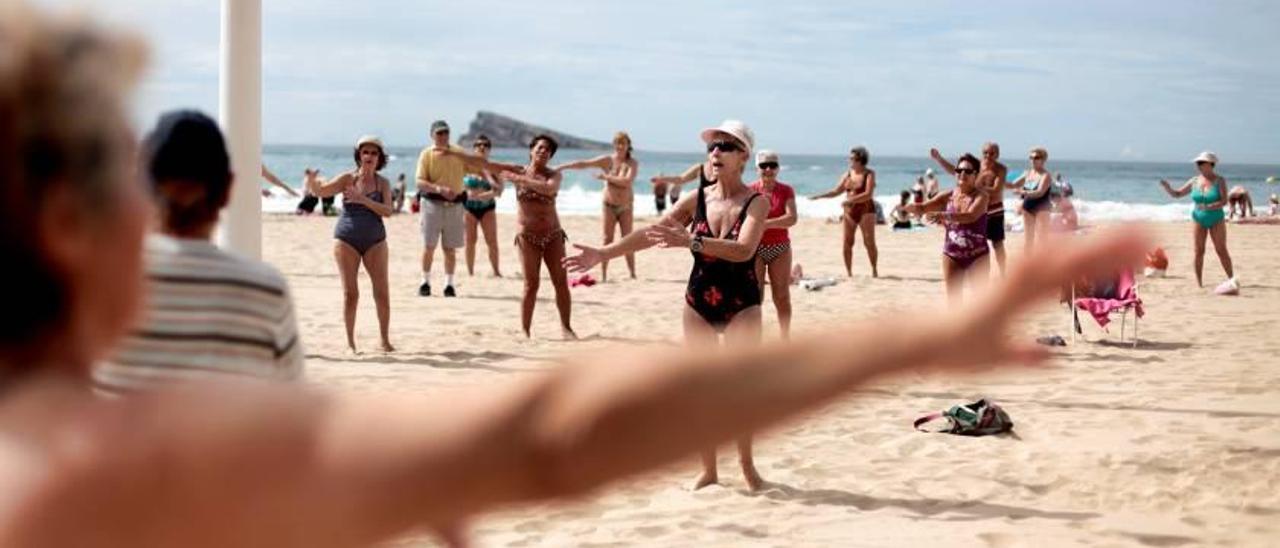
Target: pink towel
[1101, 307]
[583, 280]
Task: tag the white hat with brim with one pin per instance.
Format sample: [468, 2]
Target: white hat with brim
[732, 128]
[1206, 156]
[370, 140]
[766, 155]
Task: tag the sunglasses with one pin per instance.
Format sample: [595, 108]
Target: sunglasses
[369, 152]
[482, 145]
[1202, 162]
[724, 146]
[966, 170]
[769, 165]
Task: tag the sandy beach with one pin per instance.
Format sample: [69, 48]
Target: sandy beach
[1174, 443]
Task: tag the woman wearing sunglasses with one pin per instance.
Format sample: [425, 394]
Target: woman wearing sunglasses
[1034, 186]
[774, 259]
[963, 210]
[1209, 192]
[859, 186]
[723, 295]
[360, 234]
[483, 190]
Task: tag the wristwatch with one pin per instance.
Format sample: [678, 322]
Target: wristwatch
[695, 245]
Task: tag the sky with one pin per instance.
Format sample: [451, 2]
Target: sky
[1155, 81]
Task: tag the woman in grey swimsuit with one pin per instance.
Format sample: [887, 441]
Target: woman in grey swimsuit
[359, 233]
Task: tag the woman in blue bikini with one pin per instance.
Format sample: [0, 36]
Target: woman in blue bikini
[1209, 192]
[360, 235]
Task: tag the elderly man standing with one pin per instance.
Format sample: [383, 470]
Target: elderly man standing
[440, 182]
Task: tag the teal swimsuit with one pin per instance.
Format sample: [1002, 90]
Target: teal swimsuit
[1207, 218]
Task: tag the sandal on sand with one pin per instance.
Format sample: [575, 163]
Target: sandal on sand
[1052, 340]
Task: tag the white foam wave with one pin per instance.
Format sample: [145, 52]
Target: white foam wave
[576, 200]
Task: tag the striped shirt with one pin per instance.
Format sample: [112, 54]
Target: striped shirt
[209, 314]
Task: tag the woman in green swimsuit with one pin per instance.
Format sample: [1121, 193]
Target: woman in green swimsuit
[1209, 192]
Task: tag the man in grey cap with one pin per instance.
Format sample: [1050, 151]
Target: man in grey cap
[440, 182]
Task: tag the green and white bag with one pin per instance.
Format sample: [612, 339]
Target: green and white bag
[980, 418]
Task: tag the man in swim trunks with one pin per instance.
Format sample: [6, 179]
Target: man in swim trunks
[992, 178]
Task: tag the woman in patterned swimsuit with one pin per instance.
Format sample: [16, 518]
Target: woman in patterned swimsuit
[964, 251]
[774, 259]
[723, 296]
[541, 239]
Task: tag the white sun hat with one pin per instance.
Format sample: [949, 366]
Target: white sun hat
[734, 128]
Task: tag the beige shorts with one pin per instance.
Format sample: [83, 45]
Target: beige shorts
[442, 223]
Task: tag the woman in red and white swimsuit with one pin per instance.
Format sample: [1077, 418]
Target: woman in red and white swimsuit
[774, 256]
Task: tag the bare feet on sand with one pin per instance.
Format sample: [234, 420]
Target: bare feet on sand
[705, 479]
[754, 481]
[386, 346]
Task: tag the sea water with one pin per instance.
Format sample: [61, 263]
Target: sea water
[1104, 190]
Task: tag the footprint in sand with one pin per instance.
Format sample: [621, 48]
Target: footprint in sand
[997, 540]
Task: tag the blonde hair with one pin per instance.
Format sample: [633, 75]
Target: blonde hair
[620, 137]
[63, 85]
[1041, 152]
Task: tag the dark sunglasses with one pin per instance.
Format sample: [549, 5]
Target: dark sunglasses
[1037, 157]
[769, 165]
[482, 145]
[369, 152]
[723, 146]
[966, 170]
[1202, 162]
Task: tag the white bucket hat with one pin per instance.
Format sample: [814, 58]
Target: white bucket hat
[733, 128]
[1206, 156]
[766, 155]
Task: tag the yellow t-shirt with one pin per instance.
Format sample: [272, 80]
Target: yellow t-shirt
[446, 171]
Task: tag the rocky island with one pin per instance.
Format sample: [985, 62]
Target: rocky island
[507, 132]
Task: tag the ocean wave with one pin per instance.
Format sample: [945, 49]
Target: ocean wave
[576, 200]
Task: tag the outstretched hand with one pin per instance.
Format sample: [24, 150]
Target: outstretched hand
[668, 236]
[933, 153]
[982, 329]
[586, 258]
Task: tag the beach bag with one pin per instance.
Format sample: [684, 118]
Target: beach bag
[980, 418]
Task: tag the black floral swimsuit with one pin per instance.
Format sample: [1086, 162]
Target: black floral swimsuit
[719, 289]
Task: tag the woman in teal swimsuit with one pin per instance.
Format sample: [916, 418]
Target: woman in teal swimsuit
[1209, 192]
[483, 189]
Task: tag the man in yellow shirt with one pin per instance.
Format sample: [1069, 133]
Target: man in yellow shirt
[440, 183]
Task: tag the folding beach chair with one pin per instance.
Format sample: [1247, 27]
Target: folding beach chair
[1101, 298]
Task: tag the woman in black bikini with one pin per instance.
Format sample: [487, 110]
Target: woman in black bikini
[618, 171]
[541, 239]
[360, 234]
[483, 190]
[723, 296]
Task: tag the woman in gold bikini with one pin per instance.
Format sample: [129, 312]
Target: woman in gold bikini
[618, 171]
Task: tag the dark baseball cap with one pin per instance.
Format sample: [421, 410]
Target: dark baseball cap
[438, 126]
[187, 145]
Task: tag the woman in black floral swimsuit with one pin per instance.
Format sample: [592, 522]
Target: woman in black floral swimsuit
[723, 296]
